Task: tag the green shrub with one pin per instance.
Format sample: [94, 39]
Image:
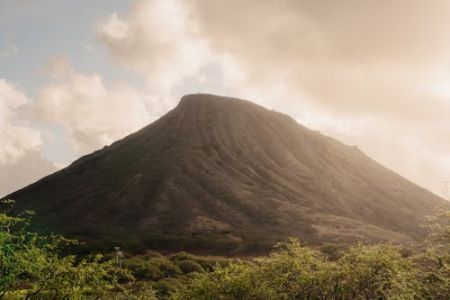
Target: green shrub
[181, 256]
[139, 291]
[376, 272]
[433, 274]
[144, 270]
[189, 266]
[237, 281]
[167, 286]
[167, 268]
[34, 265]
[293, 271]
[332, 251]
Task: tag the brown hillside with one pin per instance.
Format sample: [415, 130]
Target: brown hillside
[225, 175]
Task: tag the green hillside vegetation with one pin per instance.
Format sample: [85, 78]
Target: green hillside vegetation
[33, 266]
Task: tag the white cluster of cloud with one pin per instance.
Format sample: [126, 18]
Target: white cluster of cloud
[93, 114]
[20, 143]
[26, 170]
[15, 139]
[8, 51]
[368, 73]
[156, 39]
[161, 41]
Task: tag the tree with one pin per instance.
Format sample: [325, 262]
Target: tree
[33, 265]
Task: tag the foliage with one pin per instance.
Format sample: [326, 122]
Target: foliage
[138, 291]
[189, 266]
[433, 274]
[376, 272]
[33, 266]
[294, 271]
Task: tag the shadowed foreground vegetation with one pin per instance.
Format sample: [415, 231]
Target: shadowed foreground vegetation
[33, 266]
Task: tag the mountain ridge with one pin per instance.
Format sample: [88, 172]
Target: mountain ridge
[226, 173]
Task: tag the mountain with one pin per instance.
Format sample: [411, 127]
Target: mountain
[221, 174]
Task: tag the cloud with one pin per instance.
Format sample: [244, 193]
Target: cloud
[16, 139]
[160, 41]
[20, 161]
[8, 51]
[156, 39]
[93, 114]
[370, 73]
[345, 53]
[26, 170]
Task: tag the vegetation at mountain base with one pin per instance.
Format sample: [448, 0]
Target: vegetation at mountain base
[36, 266]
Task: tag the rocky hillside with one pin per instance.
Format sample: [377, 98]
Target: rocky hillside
[219, 174]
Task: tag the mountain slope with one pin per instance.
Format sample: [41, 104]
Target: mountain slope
[227, 175]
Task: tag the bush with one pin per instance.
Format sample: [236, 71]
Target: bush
[189, 266]
[139, 291]
[332, 251]
[181, 256]
[293, 271]
[167, 286]
[434, 274]
[376, 272]
[34, 265]
[167, 268]
[144, 270]
[237, 281]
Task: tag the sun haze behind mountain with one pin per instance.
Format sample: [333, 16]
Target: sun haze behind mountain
[226, 175]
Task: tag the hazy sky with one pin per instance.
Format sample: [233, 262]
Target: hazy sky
[76, 75]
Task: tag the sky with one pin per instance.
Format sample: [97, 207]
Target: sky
[78, 75]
